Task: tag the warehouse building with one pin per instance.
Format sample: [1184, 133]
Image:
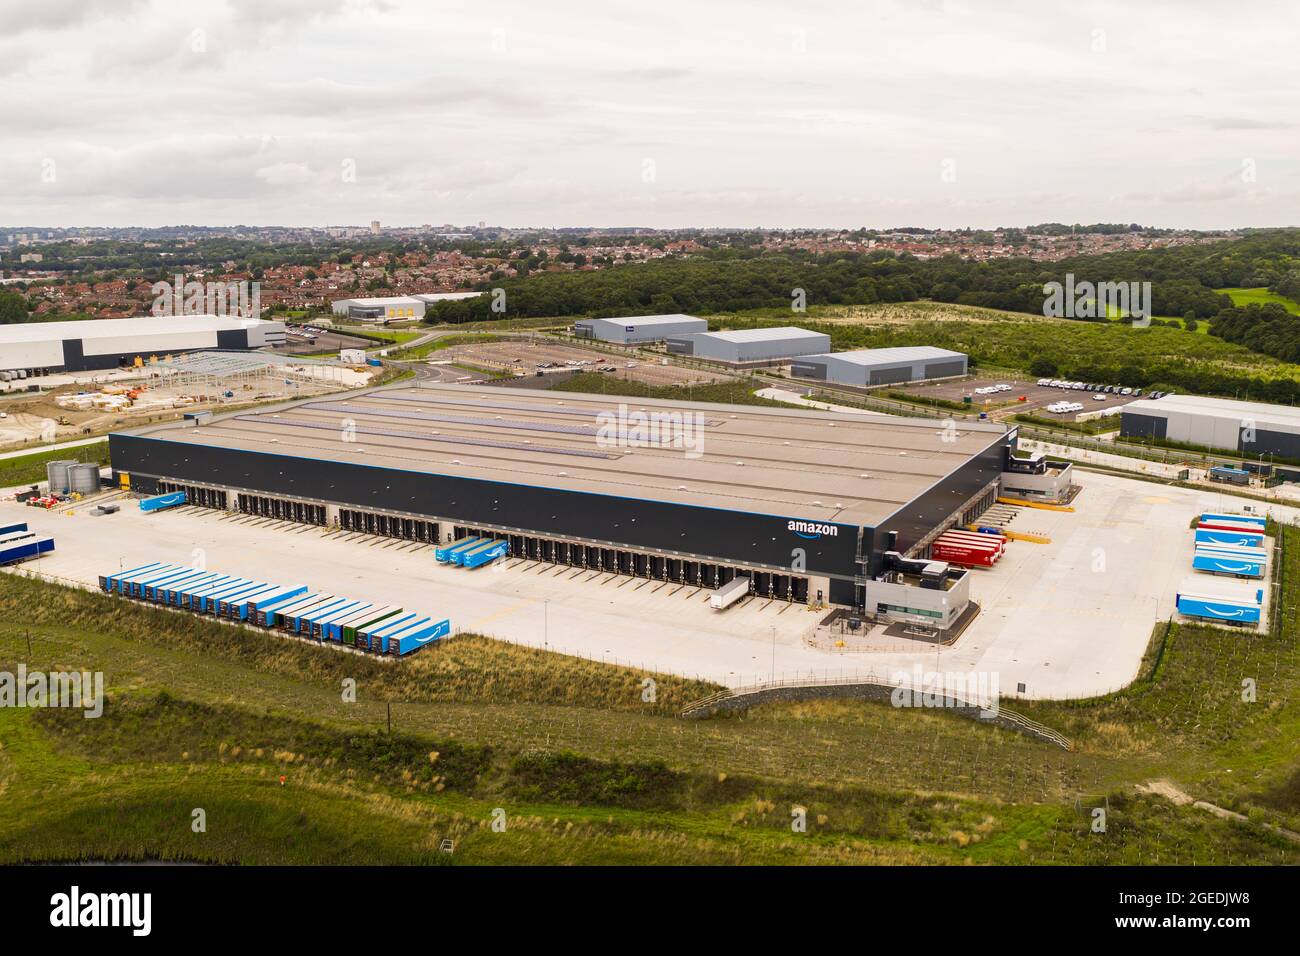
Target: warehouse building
[805, 503]
[379, 309]
[868, 367]
[637, 329]
[750, 346]
[42, 347]
[1251, 429]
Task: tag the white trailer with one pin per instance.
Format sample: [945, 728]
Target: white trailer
[729, 593]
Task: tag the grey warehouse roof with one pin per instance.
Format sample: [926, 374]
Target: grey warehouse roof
[906, 353]
[1217, 407]
[646, 319]
[757, 335]
[828, 466]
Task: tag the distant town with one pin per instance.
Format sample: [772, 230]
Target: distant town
[108, 272]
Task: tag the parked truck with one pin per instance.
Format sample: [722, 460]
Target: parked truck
[729, 593]
[158, 502]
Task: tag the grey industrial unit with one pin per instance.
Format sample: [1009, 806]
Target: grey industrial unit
[800, 501]
[635, 329]
[750, 345]
[867, 367]
[95, 344]
[1252, 429]
[380, 309]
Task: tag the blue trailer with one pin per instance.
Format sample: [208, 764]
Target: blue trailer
[16, 536]
[257, 609]
[110, 582]
[157, 590]
[293, 621]
[197, 600]
[330, 628]
[446, 552]
[316, 622]
[1214, 517]
[482, 554]
[136, 584]
[227, 603]
[346, 630]
[414, 638]
[1236, 539]
[1218, 608]
[126, 582]
[274, 616]
[208, 602]
[301, 622]
[24, 548]
[158, 502]
[1237, 561]
[172, 593]
[375, 638]
[10, 528]
[181, 596]
[248, 608]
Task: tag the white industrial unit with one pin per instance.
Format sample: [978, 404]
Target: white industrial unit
[107, 343]
[1252, 428]
[380, 309]
[867, 367]
[750, 345]
[634, 329]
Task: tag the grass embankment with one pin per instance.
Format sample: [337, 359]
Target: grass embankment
[30, 469]
[444, 342]
[588, 767]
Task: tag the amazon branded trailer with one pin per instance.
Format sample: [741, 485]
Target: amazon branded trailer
[1216, 599]
[1219, 517]
[136, 584]
[1239, 538]
[197, 600]
[417, 636]
[157, 590]
[158, 502]
[347, 630]
[299, 622]
[209, 603]
[446, 554]
[481, 554]
[1242, 562]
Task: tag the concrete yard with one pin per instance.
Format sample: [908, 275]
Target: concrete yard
[1066, 619]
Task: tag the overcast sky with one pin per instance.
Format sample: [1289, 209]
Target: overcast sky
[614, 112]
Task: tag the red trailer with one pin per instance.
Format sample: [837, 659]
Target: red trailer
[964, 554]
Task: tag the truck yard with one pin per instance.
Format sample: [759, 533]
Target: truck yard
[534, 355]
[1005, 402]
[1070, 618]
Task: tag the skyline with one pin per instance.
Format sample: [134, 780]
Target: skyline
[925, 113]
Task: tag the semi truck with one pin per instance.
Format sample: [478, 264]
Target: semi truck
[729, 593]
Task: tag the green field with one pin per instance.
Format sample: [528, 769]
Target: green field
[252, 728]
[1260, 296]
[30, 469]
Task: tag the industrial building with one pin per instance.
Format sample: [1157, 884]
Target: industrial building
[393, 308]
[810, 505]
[1251, 429]
[42, 347]
[750, 346]
[638, 329]
[867, 367]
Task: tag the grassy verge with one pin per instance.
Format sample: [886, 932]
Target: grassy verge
[29, 469]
